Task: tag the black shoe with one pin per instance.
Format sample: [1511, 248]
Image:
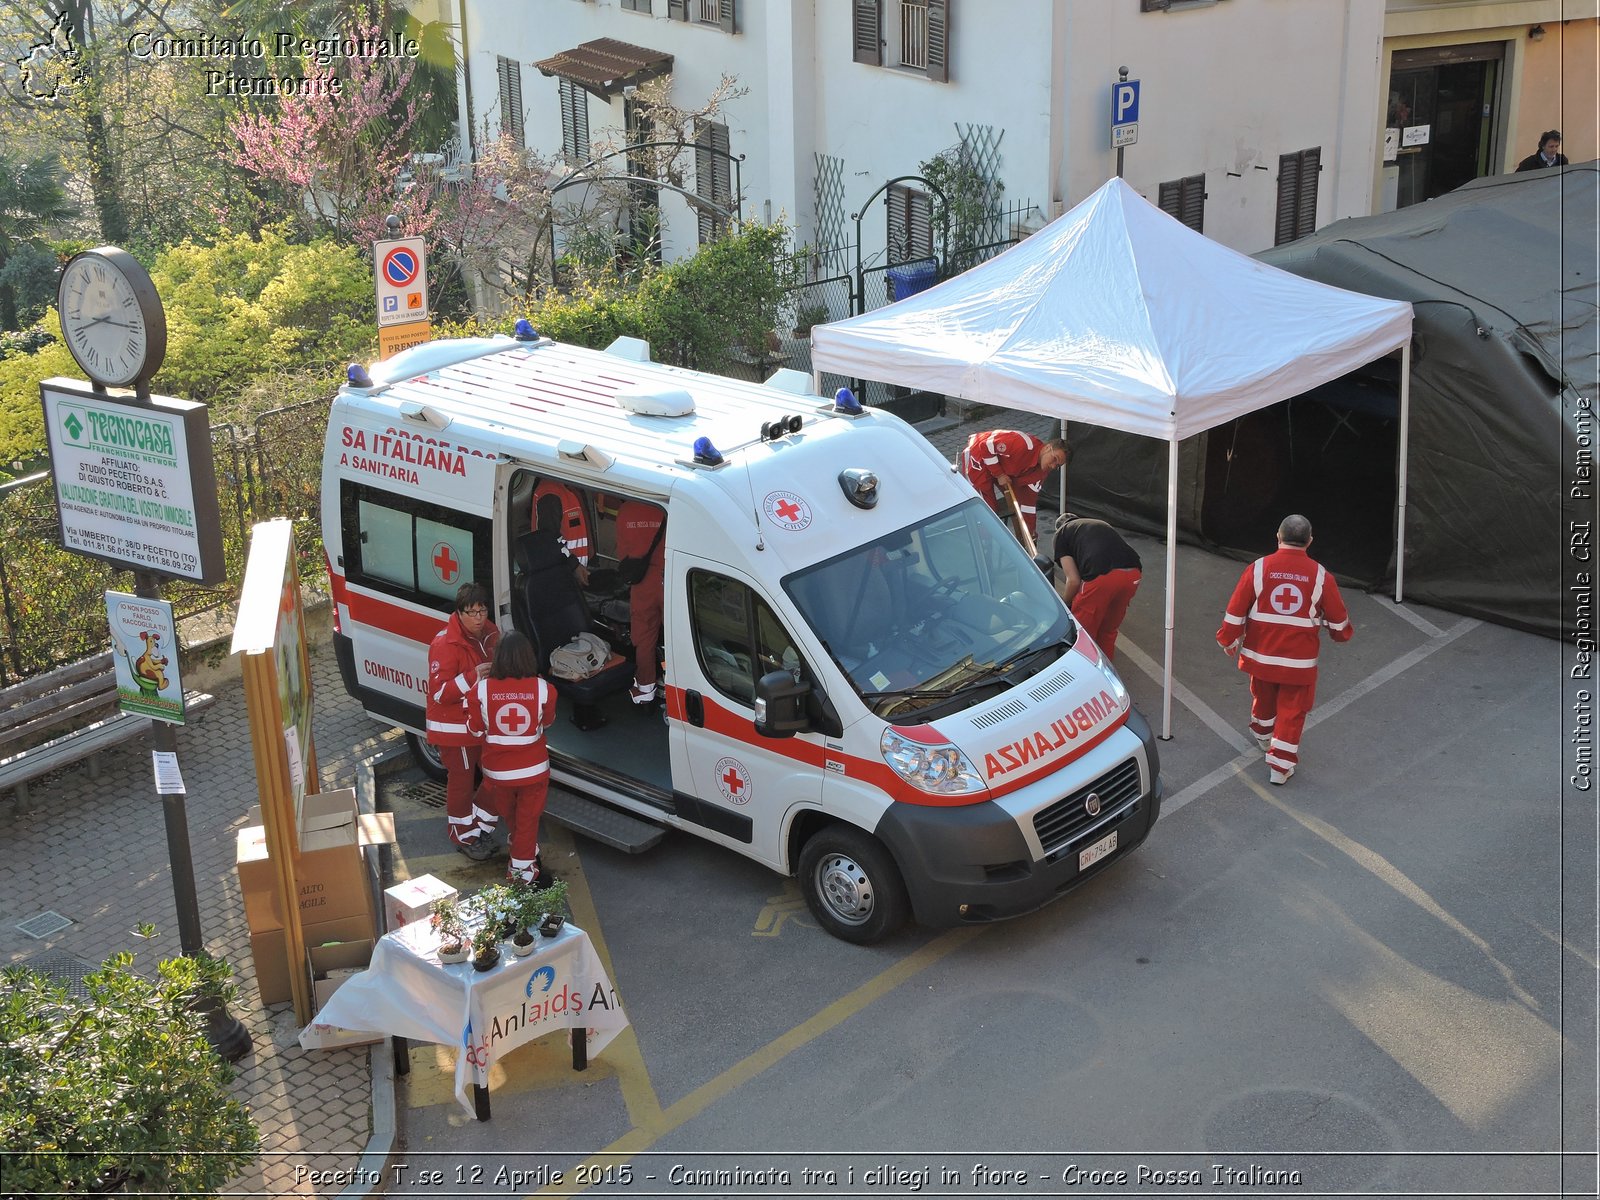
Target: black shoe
[543, 880]
[478, 850]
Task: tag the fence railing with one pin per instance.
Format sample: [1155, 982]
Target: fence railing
[51, 600]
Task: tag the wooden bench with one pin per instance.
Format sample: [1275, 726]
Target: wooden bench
[80, 695]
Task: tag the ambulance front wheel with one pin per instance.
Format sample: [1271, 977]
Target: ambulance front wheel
[426, 757]
[852, 885]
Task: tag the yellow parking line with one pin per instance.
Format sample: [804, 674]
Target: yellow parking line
[646, 1134]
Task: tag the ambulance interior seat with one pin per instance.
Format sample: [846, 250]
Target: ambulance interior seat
[553, 612]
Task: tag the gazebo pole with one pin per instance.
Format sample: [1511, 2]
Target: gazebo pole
[1405, 442]
[1061, 509]
[1172, 584]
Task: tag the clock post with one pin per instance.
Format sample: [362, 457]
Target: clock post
[114, 325]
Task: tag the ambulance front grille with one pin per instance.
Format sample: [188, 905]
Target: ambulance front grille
[1064, 820]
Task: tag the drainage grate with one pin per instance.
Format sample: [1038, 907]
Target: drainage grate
[428, 793]
[64, 968]
[44, 924]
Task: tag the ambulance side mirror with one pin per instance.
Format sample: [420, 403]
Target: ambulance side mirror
[781, 705]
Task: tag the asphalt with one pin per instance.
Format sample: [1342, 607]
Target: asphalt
[1486, 697]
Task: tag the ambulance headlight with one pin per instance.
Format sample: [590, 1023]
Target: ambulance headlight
[938, 768]
[1114, 681]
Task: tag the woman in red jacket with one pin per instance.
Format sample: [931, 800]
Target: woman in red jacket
[457, 659]
[508, 712]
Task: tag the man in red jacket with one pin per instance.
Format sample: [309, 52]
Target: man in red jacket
[1274, 623]
[1001, 456]
[457, 658]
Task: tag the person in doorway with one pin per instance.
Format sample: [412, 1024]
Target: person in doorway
[508, 712]
[1274, 624]
[641, 529]
[457, 659]
[547, 541]
[1099, 575]
[1547, 155]
[571, 524]
[1003, 457]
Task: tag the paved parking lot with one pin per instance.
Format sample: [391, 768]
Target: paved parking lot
[1380, 976]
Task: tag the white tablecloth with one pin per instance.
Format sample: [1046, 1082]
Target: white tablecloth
[407, 992]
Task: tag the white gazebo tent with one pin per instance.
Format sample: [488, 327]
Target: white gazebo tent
[1120, 316]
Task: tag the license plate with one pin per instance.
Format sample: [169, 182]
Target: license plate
[1087, 858]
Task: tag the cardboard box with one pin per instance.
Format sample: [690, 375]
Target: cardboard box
[331, 964]
[331, 873]
[270, 949]
[413, 900]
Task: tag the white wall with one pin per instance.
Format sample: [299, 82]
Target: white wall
[1226, 88]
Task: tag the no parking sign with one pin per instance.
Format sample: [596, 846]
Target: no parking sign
[400, 274]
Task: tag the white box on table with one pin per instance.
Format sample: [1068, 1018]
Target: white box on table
[413, 900]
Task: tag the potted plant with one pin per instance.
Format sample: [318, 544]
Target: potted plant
[498, 905]
[486, 948]
[530, 907]
[807, 315]
[552, 906]
[452, 929]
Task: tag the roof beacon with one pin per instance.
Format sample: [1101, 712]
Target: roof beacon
[705, 453]
[357, 375]
[844, 401]
[525, 331]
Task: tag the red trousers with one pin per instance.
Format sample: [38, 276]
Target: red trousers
[1278, 711]
[522, 805]
[469, 809]
[1102, 602]
[644, 627]
[1027, 493]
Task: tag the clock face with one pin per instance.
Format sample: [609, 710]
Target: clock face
[106, 317]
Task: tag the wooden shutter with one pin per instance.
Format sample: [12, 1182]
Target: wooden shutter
[938, 68]
[713, 176]
[574, 122]
[1298, 175]
[725, 16]
[866, 31]
[677, 10]
[1185, 199]
[909, 232]
[510, 73]
[1154, 5]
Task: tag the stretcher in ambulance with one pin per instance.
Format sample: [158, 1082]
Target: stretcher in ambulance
[868, 685]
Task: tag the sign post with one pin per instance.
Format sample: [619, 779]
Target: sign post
[135, 486]
[1124, 114]
[400, 278]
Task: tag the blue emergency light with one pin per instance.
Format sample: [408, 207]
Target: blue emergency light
[705, 453]
[525, 330]
[357, 376]
[844, 401]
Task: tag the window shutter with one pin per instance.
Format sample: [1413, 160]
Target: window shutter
[725, 16]
[939, 41]
[677, 10]
[1154, 5]
[866, 32]
[1306, 206]
[1298, 176]
[909, 232]
[713, 176]
[510, 73]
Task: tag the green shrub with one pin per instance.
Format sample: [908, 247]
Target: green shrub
[119, 1092]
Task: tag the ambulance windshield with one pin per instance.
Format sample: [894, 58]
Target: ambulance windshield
[931, 615]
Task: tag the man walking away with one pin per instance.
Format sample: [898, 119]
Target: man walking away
[1273, 624]
[1099, 573]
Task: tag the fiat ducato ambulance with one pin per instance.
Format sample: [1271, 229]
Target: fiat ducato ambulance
[868, 685]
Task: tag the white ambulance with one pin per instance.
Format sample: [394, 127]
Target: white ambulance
[868, 684]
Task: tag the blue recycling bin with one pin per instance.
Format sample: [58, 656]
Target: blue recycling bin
[910, 278]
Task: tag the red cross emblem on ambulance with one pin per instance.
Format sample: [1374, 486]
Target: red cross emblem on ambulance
[787, 510]
[445, 563]
[733, 781]
[1285, 598]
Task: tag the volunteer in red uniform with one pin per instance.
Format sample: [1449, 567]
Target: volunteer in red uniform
[573, 526]
[509, 711]
[459, 657]
[1003, 456]
[1100, 573]
[641, 529]
[1274, 624]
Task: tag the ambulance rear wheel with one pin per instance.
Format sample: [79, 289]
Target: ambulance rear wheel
[426, 757]
[852, 885]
